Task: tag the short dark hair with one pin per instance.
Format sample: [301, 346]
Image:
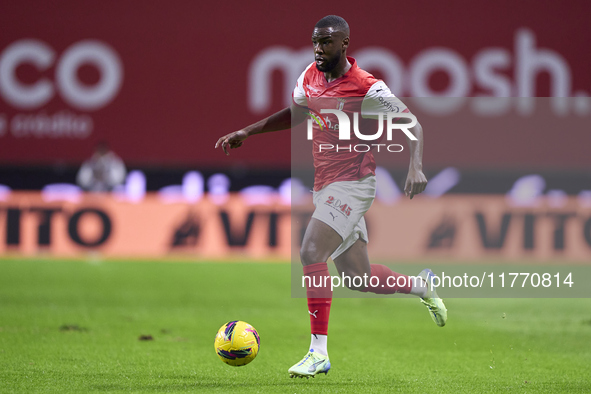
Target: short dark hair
[334, 21]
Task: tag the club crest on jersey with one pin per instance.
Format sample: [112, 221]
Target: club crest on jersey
[341, 103]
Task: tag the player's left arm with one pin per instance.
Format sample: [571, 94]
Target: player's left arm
[416, 181]
[378, 99]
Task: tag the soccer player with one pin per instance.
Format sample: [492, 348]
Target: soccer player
[343, 175]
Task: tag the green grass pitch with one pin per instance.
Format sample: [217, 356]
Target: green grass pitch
[73, 326]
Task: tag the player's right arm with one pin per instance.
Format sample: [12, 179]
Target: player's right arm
[284, 119]
[281, 120]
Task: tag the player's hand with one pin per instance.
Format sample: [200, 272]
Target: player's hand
[416, 182]
[233, 140]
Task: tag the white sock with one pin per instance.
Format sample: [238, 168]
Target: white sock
[419, 287]
[318, 344]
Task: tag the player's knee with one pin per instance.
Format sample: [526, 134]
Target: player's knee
[308, 255]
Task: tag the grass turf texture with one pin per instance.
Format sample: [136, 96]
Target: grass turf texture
[68, 326]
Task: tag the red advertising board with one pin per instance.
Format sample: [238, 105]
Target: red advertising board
[456, 228]
[161, 81]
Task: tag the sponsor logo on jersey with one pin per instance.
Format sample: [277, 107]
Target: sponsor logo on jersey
[387, 104]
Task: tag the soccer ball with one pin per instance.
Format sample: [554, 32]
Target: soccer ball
[237, 343]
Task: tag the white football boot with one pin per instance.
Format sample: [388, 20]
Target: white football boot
[311, 365]
[436, 307]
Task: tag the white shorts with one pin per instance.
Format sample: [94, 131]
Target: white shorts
[342, 205]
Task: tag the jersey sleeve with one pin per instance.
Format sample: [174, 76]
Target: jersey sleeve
[299, 94]
[378, 99]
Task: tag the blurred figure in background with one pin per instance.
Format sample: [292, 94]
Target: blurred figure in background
[103, 171]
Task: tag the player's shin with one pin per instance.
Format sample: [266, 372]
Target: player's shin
[319, 293]
[385, 281]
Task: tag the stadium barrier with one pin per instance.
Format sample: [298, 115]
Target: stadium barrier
[458, 227]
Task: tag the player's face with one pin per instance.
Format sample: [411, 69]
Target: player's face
[328, 48]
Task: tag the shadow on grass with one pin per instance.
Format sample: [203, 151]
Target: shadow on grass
[229, 386]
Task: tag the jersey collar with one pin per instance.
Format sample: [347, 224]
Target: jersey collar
[353, 68]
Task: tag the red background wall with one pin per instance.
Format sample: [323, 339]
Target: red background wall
[185, 70]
